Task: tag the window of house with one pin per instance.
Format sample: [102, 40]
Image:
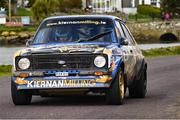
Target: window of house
[99, 3]
[108, 4]
[153, 2]
[142, 2]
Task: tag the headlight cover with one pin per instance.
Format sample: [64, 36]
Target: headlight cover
[99, 61]
[24, 63]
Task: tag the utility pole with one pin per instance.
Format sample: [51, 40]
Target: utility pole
[10, 10]
[122, 5]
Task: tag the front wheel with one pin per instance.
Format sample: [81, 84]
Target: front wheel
[19, 97]
[139, 89]
[116, 93]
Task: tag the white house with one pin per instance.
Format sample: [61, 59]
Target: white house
[21, 3]
[155, 3]
[100, 6]
[2, 16]
[126, 6]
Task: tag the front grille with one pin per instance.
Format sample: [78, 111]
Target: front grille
[72, 61]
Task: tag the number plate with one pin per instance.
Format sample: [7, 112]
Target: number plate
[62, 74]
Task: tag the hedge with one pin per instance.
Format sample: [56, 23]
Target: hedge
[149, 10]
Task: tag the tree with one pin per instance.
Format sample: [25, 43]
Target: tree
[65, 5]
[31, 2]
[44, 8]
[73, 3]
[4, 4]
[172, 6]
[14, 6]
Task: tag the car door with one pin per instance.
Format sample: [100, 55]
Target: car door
[128, 57]
[137, 53]
[133, 50]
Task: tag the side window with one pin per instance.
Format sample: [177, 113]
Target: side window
[131, 35]
[120, 31]
[127, 34]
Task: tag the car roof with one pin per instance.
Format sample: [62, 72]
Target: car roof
[83, 16]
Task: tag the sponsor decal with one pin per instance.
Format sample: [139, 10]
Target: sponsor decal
[20, 81]
[60, 83]
[76, 22]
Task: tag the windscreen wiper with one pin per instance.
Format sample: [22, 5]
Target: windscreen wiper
[94, 37]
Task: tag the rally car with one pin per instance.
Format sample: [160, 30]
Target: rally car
[72, 55]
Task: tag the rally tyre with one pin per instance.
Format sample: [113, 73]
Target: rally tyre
[115, 95]
[140, 88]
[19, 97]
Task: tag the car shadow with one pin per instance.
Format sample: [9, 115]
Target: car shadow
[76, 100]
[70, 100]
[91, 100]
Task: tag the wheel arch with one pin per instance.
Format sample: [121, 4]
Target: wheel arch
[121, 66]
[143, 67]
[145, 64]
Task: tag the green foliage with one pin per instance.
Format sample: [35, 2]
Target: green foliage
[139, 16]
[68, 5]
[23, 12]
[162, 51]
[71, 3]
[172, 6]
[4, 4]
[149, 10]
[5, 70]
[44, 8]
[31, 2]
[17, 29]
[14, 1]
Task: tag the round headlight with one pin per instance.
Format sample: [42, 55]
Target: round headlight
[24, 63]
[99, 61]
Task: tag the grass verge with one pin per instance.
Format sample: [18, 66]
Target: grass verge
[162, 52]
[5, 70]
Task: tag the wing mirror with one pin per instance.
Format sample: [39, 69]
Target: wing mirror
[29, 41]
[124, 41]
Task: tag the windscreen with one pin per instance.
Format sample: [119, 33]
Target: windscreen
[77, 30]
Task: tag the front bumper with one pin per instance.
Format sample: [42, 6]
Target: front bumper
[50, 82]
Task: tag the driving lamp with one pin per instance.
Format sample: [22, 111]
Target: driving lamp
[99, 61]
[24, 63]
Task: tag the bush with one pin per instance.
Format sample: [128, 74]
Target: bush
[23, 12]
[139, 16]
[67, 5]
[149, 10]
[43, 8]
[18, 29]
[72, 3]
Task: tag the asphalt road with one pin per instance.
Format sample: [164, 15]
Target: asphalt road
[162, 101]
